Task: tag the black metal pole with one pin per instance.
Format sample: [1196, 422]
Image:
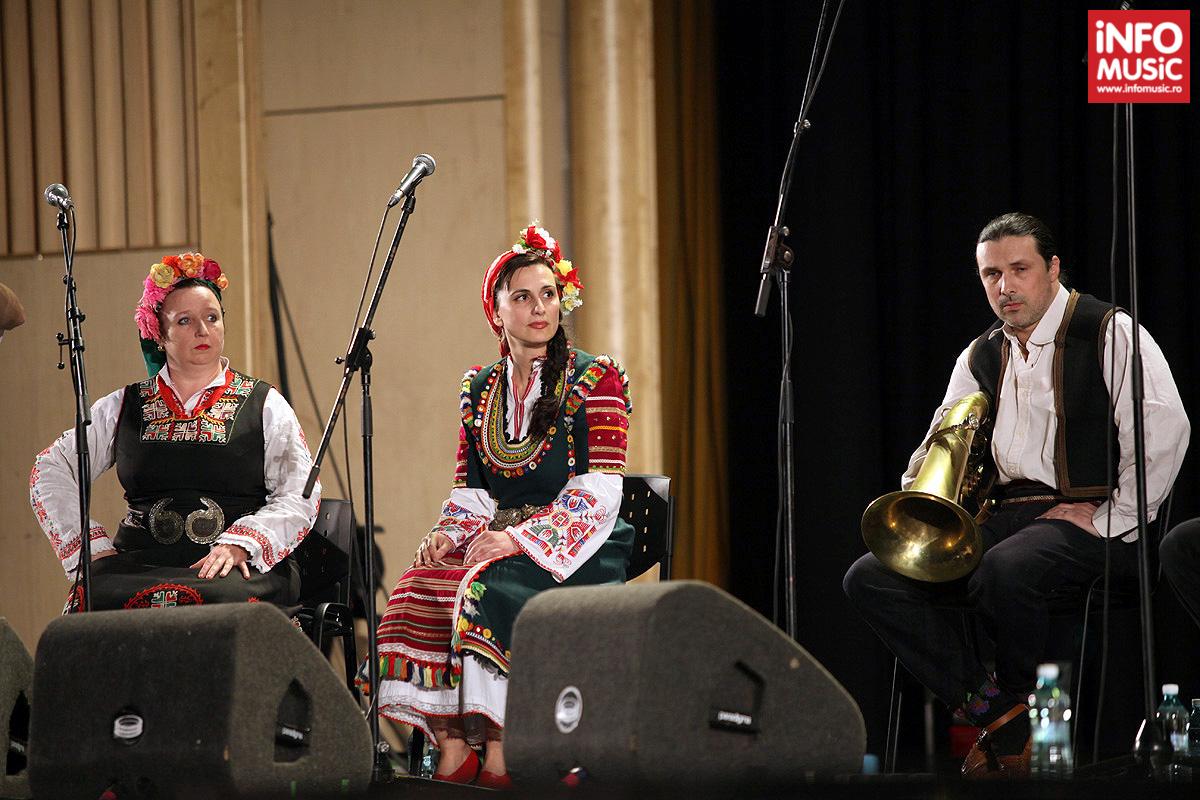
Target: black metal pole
[83, 412]
[776, 261]
[358, 357]
[355, 352]
[1151, 744]
[787, 420]
[273, 293]
[381, 770]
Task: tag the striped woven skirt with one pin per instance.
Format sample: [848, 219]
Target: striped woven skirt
[445, 636]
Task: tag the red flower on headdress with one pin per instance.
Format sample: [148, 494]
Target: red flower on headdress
[534, 238]
[571, 276]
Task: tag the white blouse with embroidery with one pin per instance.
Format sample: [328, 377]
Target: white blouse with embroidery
[268, 535]
[591, 501]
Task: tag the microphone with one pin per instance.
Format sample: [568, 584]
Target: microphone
[422, 165]
[56, 195]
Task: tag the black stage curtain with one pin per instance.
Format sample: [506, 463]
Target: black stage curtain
[931, 119]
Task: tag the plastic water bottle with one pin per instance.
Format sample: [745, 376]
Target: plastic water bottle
[1173, 718]
[1194, 728]
[1049, 722]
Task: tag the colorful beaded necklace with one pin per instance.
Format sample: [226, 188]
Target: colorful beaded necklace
[491, 440]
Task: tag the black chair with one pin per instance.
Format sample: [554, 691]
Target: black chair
[1124, 595]
[324, 559]
[647, 504]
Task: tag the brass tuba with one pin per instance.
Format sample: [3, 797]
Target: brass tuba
[923, 532]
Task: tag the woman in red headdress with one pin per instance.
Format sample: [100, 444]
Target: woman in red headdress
[537, 490]
[213, 463]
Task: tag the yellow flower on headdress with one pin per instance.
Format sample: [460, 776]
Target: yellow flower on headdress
[162, 275]
[570, 298]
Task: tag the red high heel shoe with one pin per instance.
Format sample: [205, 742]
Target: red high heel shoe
[490, 780]
[465, 773]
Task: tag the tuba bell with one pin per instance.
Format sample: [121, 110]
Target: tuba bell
[924, 532]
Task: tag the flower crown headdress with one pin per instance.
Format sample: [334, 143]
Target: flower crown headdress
[162, 280]
[164, 277]
[536, 241]
[539, 242]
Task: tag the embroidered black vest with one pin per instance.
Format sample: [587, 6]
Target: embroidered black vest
[216, 454]
[1081, 400]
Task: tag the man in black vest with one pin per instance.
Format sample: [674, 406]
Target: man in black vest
[1050, 364]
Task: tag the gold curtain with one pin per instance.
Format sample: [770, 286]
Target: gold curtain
[693, 353]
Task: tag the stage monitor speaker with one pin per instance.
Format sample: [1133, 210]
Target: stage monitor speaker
[671, 682]
[185, 702]
[16, 681]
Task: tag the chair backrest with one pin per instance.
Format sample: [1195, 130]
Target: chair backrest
[324, 555]
[647, 505]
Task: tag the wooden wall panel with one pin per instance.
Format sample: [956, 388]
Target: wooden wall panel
[320, 54]
[139, 141]
[46, 134]
[32, 584]
[20, 194]
[168, 119]
[79, 118]
[110, 124]
[99, 96]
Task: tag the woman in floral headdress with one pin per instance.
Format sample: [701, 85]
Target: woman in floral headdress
[213, 463]
[541, 455]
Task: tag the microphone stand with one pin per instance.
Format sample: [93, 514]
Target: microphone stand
[73, 341]
[1151, 747]
[776, 264]
[358, 358]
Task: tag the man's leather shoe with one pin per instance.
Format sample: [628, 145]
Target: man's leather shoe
[983, 763]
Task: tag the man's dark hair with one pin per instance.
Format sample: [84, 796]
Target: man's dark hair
[1015, 223]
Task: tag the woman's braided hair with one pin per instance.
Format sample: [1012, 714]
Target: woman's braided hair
[545, 410]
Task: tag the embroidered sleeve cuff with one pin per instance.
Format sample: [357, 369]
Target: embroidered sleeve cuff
[459, 523]
[465, 514]
[561, 538]
[263, 555]
[69, 555]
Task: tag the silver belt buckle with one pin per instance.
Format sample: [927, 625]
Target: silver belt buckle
[202, 526]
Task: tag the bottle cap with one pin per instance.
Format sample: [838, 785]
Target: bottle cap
[1170, 688]
[1048, 671]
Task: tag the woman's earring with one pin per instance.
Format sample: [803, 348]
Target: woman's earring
[160, 347]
